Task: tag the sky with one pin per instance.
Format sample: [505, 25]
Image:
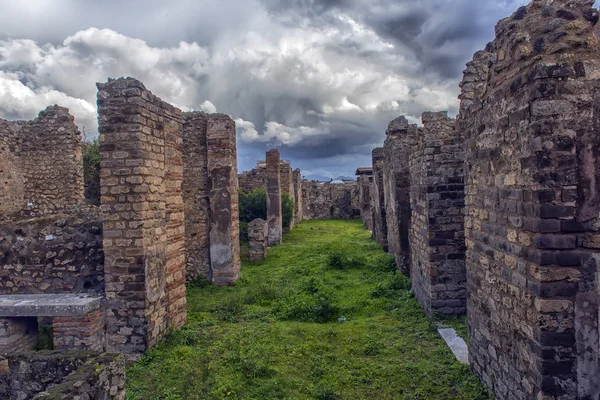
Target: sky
[317, 79]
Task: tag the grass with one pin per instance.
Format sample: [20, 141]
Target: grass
[326, 316]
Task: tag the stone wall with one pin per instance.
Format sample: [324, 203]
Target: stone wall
[58, 375]
[396, 187]
[258, 232]
[437, 246]
[364, 194]
[256, 178]
[53, 254]
[298, 203]
[141, 170]
[378, 200]
[41, 167]
[323, 200]
[530, 114]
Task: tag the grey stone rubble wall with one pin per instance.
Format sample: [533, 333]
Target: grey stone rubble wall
[143, 236]
[41, 164]
[62, 253]
[274, 213]
[258, 232]
[59, 375]
[530, 113]
[323, 200]
[396, 187]
[378, 200]
[437, 239]
[364, 194]
[256, 178]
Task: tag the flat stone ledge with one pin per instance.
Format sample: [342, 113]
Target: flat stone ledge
[456, 344]
[48, 305]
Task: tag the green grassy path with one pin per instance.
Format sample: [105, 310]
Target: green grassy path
[276, 334]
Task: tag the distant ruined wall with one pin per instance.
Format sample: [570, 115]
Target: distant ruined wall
[52, 254]
[530, 112]
[256, 178]
[41, 168]
[396, 186]
[330, 201]
[378, 200]
[141, 173]
[437, 240]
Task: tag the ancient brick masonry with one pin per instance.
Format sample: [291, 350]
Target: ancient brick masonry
[224, 217]
[365, 181]
[256, 178]
[41, 169]
[274, 215]
[530, 112]
[298, 201]
[258, 232]
[437, 246]
[140, 140]
[396, 187]
[378, 200]
[324, 200]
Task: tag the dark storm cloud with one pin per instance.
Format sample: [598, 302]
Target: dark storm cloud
[320, 79]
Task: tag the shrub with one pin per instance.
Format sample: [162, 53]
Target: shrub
[313, 302]
[91, 171]
[287, 210]
[253, 205]
[341, 261]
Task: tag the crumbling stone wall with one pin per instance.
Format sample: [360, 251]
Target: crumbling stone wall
[530, 113]
[298, 203]
[56, 375]
[323, 200]
[396, 187]
[364, 194]
[53, 254]
[141, 170]
[274, 213]
[437, 265]
[41, 171]
[256, 178]
[378, 200]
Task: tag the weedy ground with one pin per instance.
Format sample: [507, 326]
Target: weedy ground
[326, 316]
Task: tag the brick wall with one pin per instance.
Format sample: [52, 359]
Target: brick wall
[396, 188]
[79, 333]
[529, 111]
[53, 254]
[41, 171]
[257, 239]
[323, 200]
[437, 265]
[143, 236]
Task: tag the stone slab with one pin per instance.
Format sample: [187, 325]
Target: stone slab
[456, 344]
[48, 305]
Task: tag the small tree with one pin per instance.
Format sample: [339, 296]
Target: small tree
[253, 205]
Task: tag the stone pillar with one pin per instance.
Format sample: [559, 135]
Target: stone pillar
[530, 113]
[274, 198]
[378, 200]
[364, 195]
[258, 232]
[196, 189]
[79, 333]
[437, 239]
[396, 181]
[143, 236]
[298, 215]
[224, 217]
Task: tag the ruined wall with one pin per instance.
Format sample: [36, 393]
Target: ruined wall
[141, 170]
[274, 215]
[224, 215]
[41, 171]
[256, 178]
[378, 200]
[196, 188]
[52, 254]
[56, 375]
[364, 194]
[298, 202]
[396, 187]
[437, 265]
[530, 113]
[330, 201]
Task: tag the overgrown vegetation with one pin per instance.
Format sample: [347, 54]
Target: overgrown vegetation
[91, 171]
[326, 316]
[253, 205]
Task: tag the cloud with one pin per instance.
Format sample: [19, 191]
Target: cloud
[320, 79]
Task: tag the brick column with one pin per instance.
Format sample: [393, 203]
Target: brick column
[274, 198]
[224, 218]
[141, 172]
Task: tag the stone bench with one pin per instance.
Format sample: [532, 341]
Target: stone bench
[77, 321]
